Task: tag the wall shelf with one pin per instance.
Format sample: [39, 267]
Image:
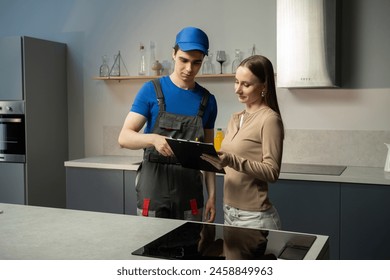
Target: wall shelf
[123, 78]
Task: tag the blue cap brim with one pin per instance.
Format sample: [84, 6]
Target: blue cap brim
[192, 47]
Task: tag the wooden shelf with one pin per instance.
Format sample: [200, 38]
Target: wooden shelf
[122, 78]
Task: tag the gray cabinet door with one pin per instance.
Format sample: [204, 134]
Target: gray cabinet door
[11, 80]
[130, 193]
[309, 207]
[365, 222]
[94, 189]
[12, 183]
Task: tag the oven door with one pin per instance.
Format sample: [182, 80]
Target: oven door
[12, 138]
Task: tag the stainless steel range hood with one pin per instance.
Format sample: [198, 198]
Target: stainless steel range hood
[306, 43]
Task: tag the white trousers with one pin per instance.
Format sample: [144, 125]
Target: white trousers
[253, 219]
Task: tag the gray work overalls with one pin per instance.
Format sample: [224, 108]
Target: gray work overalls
[164, 188]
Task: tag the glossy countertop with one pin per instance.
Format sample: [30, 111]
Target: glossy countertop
[352, 174]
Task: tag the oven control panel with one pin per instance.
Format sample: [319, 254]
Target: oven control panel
[11, 107]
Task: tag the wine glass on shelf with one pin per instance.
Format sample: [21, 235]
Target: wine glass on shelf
[221, 58]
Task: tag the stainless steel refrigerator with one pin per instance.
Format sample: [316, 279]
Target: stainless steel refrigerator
[33, 121]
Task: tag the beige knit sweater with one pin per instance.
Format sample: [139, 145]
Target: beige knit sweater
[254, 155]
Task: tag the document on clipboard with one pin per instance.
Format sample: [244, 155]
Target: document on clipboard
[188, 153]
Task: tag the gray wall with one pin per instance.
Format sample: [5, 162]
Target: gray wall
[92, 28]
[365, 59]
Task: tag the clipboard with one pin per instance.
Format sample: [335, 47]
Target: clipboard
[188, 154]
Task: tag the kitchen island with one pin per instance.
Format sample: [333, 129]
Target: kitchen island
[41, 233]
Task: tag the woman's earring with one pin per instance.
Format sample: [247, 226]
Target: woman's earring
[262, 93]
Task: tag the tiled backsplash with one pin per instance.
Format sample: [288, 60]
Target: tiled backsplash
[334, 147]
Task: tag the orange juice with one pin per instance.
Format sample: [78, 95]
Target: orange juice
[218, 139]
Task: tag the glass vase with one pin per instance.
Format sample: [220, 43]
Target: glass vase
[104, 69]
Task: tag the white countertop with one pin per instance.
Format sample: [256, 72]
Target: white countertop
[36, 233]
[352, 174]
[106, 162]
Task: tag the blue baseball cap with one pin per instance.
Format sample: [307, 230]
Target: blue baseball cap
[191, 39]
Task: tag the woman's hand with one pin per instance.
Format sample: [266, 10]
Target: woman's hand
[218, 162]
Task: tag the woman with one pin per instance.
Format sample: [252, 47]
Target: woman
[251, 151]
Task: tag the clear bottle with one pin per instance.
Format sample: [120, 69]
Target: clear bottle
[104, 69]
[218, 139]
[207, 67]
[142, 61]
[236, 61]
[210, 58]
[152, 59]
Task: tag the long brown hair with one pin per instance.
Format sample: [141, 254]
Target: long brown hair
[262, 68]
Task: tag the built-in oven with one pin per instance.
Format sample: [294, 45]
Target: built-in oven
[12, 131]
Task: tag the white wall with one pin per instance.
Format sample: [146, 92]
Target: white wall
[92, 28]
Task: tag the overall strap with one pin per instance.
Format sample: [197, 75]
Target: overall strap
[159, 94]
[203, 103]
[161, 100]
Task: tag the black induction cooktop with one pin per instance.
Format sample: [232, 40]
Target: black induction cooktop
[199, 241]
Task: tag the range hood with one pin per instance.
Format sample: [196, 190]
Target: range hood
[306, 43]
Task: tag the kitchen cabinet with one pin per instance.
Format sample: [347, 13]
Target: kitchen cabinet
[130, 194]
[311, 207]
[33, 74]
[12, 182]
[93, 189]
[356, 217]
[365, 222]
[113, 191]
[101, 190]
[11, 78]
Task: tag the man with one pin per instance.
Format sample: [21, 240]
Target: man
[176, 106]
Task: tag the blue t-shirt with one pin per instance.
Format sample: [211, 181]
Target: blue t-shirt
[177, 101]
